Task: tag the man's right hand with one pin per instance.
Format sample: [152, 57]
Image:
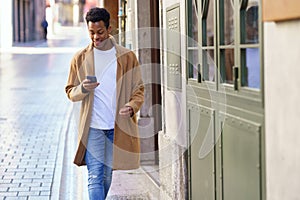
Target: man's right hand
[88, 85]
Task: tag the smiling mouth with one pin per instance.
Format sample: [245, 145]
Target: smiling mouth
[97, 42]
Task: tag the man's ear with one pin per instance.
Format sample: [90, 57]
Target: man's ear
[109, 29]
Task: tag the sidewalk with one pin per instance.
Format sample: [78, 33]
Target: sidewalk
[126, 184]
[33, 111]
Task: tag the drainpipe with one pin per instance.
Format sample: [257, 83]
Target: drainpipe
[120, 21]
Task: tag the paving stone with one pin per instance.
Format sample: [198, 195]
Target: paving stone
[15, 170]
[8, 194]
[30, 185]
[16, 198]
[23, 180]
[29, 193]
[40, 188]
[46, 197]
[5, 181]
[18, 189]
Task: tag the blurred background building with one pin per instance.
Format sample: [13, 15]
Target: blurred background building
[21, 19]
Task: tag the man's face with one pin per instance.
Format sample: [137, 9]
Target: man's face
[98, 32]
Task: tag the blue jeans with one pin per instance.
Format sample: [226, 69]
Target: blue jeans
[98, 158]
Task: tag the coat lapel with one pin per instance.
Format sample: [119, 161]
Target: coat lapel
[120, 69]
[89, 65]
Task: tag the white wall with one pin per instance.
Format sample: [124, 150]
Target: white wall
[172, 167]
[6, 24]
[282, 109]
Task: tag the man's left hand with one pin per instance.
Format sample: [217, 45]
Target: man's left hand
[126, 111]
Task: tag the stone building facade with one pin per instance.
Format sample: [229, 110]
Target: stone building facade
[27, 17]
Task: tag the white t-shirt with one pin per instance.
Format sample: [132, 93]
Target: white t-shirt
[104, 108]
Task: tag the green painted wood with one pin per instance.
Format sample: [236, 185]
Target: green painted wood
[236, 162]
[202, 154]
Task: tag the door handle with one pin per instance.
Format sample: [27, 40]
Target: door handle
[199, 73]
[235, 70]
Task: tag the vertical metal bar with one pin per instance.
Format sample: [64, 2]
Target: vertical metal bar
[199, 9]
[216, 42]
[120, 21]
[237, 36]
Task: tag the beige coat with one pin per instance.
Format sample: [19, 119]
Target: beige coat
[129, 91]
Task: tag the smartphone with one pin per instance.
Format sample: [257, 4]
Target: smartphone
[93, 79]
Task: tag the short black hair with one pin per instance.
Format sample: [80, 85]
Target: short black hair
[98, 14]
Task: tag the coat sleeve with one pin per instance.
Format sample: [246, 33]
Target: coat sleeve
[74, 88]
[137, 96]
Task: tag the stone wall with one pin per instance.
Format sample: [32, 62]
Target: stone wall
[172, 169]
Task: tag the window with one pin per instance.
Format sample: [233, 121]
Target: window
[250, 55]
[228, 41]
[193, 61]
[208, 41]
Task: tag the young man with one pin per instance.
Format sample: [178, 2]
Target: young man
[108, 132]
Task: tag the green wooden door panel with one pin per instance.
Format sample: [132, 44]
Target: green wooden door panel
[241, 160]
[202, 153]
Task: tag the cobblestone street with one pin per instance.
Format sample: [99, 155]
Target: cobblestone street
[34, 113]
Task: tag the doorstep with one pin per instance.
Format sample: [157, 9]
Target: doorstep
[133, 185]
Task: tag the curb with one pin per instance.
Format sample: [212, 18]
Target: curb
[56, 183]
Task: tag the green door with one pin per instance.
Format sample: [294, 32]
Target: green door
[225, 100]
